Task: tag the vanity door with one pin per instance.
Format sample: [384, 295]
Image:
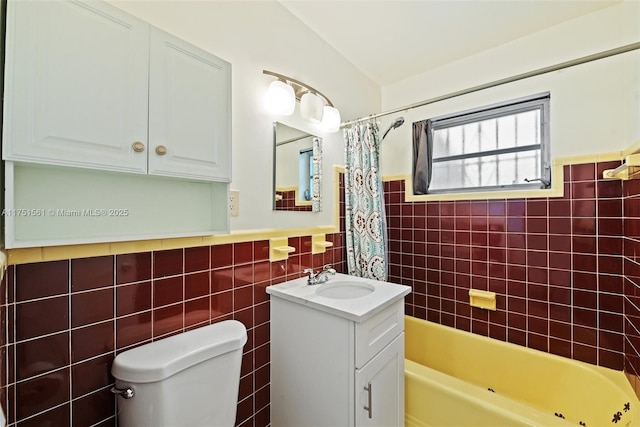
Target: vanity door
[380, 388]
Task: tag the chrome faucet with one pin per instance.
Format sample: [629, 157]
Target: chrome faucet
[321, 276]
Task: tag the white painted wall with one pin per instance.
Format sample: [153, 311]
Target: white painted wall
[595, 107]
[257, 35]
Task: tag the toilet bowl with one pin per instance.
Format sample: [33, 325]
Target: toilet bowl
[189, 379]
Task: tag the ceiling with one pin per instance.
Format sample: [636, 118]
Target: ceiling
[390, 40]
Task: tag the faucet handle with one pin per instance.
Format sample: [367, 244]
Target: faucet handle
[308, 270]
[327, 267]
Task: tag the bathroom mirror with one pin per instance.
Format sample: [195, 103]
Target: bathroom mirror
[297, 171]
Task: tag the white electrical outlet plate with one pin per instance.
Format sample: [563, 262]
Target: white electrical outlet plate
[234, 203]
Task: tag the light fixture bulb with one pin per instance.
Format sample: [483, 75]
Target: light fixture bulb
[280, 100]
[330, 119]
[311, 108]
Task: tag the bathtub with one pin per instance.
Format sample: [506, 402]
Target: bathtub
[456, 378]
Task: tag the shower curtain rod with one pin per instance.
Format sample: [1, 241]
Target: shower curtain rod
[539, 71]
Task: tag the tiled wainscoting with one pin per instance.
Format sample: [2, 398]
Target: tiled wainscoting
[556, 265]
[566, 272]
[66, 321]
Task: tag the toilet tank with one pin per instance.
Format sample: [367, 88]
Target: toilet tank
[184, 380]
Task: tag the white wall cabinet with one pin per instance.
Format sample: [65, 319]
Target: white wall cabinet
[90, 86]
[76, 85]
[327, 370]
[92, 92]
[189, 111]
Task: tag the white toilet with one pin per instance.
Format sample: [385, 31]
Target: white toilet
[189, 379]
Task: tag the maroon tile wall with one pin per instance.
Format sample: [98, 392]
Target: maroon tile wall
[66, 320]
[555, 264]
[566, 272]
[288, 202]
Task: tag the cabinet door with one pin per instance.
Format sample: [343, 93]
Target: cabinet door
[76, 85]
[189, 111]
[380, 388]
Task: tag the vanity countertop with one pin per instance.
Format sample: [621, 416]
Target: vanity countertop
[356, 308]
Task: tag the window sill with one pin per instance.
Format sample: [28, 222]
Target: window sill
[485, 195]
[556, 190]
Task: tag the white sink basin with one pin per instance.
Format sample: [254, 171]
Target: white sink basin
[349, 297]
[345, 289]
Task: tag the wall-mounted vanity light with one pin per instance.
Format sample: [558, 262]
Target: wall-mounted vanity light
[316, 108]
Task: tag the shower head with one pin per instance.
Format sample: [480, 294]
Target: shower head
[396, 124]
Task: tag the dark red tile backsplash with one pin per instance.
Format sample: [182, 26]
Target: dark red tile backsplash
[556, 264]
[66, 321]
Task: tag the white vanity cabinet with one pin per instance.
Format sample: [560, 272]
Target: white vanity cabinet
[88, 85]
[334, 369]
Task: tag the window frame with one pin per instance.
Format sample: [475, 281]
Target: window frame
[539, 102]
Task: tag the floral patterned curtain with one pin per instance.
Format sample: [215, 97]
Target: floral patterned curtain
[364, 210]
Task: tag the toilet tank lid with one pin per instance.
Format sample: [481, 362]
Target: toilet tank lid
[161, 359]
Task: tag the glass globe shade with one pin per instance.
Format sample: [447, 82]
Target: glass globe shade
[330, 119]
[311, 108]
[280, 100]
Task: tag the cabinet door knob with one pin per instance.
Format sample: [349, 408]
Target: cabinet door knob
[138, 147]
[161, 150]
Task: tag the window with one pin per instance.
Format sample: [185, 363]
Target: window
[503, 146]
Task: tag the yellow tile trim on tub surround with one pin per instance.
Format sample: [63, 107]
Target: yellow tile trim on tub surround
[39, 254]
[634, 381]
[556, 190]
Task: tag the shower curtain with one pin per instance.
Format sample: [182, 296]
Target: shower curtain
[364, 205]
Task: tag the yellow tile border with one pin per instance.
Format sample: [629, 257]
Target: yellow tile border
[633, 149]
[634, 382]
[24, 255]
[557, 189]
[134, 246]
[51, 253]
